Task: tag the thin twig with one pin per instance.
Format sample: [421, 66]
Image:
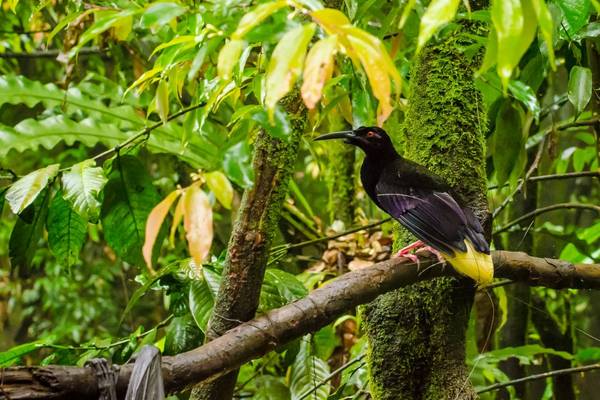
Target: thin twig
[567, 175]
[519, 188]
[543, 210]
[144, 132]
[332, 374]
[539, 376]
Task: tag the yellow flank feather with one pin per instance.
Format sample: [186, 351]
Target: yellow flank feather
[477, 266]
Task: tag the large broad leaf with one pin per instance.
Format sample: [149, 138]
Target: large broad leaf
[198, 222]
[280, 288]
[514, 32]
[82, 184]
[27, 232]
[24, 191]
[66, 231]
[218, 183]
[286, 64]
[318, 69]
[307, 372]
[439, 12]
[129, 196]
[576, 13]
[508, 141]
[580, 87]
[237, 164]
[182, 335]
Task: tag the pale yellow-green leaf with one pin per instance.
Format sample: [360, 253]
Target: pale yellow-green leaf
[177, 217]
[318, 69]
[82, 184]
[544, 20]
[162, 100]
[229, 57]
[153, 224]
[502, 306]
[410, 4]
[198, 223]
[335, 22]
[175, 41]
[438, 13]
[146, 76]
[218, 183]
[255, 17]
[491, 53]
[24, 191]
[122, 28]
[286, 64]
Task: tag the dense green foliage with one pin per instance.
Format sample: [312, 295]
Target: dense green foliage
[109, 108]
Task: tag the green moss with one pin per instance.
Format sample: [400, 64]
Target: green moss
[417, 335]
[340, 181]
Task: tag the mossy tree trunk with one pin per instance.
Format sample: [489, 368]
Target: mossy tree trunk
[417, 335]
[248, 249]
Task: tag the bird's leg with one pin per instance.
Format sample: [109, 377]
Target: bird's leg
[405, 251]
[435, 252]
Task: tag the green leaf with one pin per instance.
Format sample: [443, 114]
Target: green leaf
[105, 19]
[308, 371]
[269, 387]
[286, 64]
[229, 56]
[588, 355]
[580, 87]
[280, 288]
[525, 354]
[27, 232]
[129, 196]
[182, 335]
[159, 14]
[514, 31]
[508, 141]
[526, 95]
[502, 306]
[544, 19]
[438, 13]
[66, 231]
[24, 191]
[256, 16]
[162, 100]
[237, 164]
[201, 302]
[218, 183]
[576, 14]
[82, 184]
[325, 340]
[12, 355]
[278, 126]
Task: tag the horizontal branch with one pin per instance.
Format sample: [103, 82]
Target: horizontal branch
[255, 338]
[536, 377]
[566, 175]
[543, 210]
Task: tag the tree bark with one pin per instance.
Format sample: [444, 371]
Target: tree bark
[248, 249]
[417, 335]
[255, 338]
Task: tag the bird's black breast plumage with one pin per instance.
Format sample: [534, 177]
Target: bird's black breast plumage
[423, 203]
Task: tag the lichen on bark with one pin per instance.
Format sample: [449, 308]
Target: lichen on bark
[417, 335]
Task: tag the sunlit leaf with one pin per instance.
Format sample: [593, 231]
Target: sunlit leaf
[576, 14]
[526, 95]
[544, 19]
[105, 19]
[218, 183]
[162, 100]
[154, 223]
[24, 191]
[66, 231]
[408, 7]
[317, 69]
[229, 57]
[122, 28]
[286, 64]
[82, 184]
[256, 16]
[580, 87]
[438, 13]
[197, 222]
[237, 164]
[129, 197]
[159, 14]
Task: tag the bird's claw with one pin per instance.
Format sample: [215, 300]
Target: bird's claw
[405, 252]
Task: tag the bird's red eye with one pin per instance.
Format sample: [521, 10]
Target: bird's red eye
[371, 134]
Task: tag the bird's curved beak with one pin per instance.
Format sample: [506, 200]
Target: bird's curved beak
[348, 135]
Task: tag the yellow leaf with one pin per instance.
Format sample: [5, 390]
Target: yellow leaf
[122, 28]
[162, 100]
[143, 78]
[256, 16]
[286, 64]
[177, 217]
[438, 13]
[317, 69]
[197, 222]
[153, 224]
[218, 183]
[229, 56]
[335, 22]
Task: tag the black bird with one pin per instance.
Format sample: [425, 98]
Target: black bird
[422, 202]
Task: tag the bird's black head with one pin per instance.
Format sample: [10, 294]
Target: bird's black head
[371, 139]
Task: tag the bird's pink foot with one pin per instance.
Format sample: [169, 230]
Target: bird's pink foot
[405, 252]
[433, 251]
